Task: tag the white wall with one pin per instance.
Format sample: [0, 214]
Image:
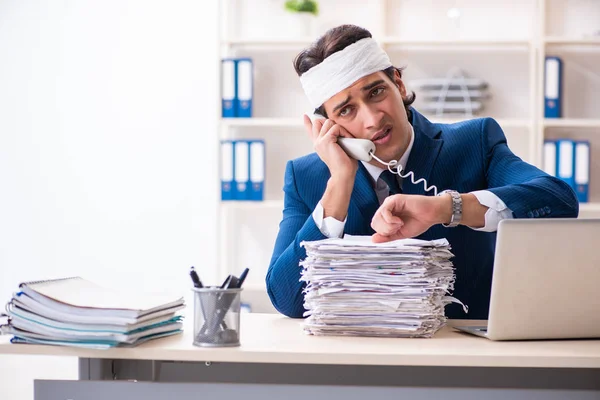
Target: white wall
[108, 118]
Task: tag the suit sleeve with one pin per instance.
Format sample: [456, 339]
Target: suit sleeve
[283, 276]
[528, 191]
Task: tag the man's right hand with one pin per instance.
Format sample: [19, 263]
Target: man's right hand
[324, 134]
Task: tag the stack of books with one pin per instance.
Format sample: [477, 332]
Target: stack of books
[359, 288]
[77, 312]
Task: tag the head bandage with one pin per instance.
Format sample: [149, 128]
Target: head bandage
[342, 69]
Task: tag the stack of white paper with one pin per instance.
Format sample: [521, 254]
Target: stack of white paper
[77, 312]
[359, 288]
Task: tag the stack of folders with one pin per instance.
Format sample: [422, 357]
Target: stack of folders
[569, 160]
[358, 288]
[242, 169]
[237, 87]
[77, 312]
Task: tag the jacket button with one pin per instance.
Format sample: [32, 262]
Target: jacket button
[529, 214]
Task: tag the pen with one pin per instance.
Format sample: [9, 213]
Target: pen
[231, 282]
[242, 277]
[195, 278]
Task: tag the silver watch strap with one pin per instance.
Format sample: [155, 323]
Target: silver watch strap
[456, 208]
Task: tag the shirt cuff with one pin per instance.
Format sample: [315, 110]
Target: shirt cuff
[330, 227]
[497, 210]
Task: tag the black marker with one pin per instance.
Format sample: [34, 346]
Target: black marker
[231, 282]
[195, 278]
[242, 277]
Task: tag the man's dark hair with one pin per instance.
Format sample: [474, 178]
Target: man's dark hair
[332, 41]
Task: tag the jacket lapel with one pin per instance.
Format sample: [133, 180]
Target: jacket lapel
[365, 201]
[423, 155]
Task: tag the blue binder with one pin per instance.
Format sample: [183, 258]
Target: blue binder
[565, 161]
[242, 169]
[582, 170]
[228, 88]
[257, 169]
[550, 160]
[245, 87]
[553, 87]
[227, 170]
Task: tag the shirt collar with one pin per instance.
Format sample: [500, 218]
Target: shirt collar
[376, 171]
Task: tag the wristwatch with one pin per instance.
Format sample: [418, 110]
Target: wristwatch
[456, 208]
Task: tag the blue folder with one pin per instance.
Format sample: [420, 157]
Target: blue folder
[257, 170]
[245, 89]
[582, 170]
[242, 169]
[565, 161]
[228, 88]
[227, 170]
[553, 87]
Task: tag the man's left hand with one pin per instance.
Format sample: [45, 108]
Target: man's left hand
[405, 216]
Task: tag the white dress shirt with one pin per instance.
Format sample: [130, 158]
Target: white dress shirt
[333, 228]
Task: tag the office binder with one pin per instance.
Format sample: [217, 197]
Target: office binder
[565, 159]
[242, 169]
[80, 297]
[227, 163]
[244, 71]
[257, 169]
[553, 88]
[73, 311]
[549, 162]
[582, 170]
[228, 88]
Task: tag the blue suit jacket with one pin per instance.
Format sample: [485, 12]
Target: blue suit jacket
[465, 156]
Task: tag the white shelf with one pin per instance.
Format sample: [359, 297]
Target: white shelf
[589, 207]
[503, 122]
[252, 205]
[389, 41]
[263, 122]
[277, 205]
[268, 43]
[297, 122]
[470, 44]
[571, 123]
[255, 287]
[559, 40]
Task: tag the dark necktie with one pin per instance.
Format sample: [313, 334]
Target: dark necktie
[392, 182]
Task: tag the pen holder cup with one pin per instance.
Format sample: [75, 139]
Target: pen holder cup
[216, 317]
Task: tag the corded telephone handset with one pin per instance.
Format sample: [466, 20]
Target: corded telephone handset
[359, 149]
[364, 150]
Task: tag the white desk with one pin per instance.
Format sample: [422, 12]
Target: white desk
[275, 351]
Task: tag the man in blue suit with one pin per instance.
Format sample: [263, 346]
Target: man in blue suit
[351, 82]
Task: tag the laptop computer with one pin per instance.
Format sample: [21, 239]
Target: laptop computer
[546, 281]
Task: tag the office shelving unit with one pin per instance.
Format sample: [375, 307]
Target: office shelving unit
[420, 36]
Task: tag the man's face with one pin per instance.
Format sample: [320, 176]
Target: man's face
[372, 109]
